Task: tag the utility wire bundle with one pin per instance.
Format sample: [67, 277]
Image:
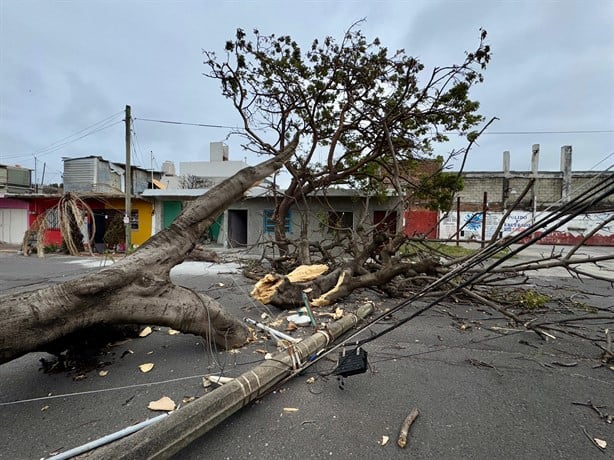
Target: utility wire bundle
[590, 195]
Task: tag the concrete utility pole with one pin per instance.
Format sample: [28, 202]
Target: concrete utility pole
[534, 175]
[128, 183]
[566, 170]
[180, 428]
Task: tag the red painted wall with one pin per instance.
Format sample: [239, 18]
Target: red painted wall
[38, 206]
[421, 222]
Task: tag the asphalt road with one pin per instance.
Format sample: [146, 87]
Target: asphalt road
[484, 388]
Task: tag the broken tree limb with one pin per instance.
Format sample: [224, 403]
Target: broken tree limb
[409, 420]
[137, 288]
[281, 292]
[187, 424]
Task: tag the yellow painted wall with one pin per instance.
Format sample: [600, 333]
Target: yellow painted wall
[145, 210]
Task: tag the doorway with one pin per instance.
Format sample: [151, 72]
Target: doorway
[385, 222]
[237, 227]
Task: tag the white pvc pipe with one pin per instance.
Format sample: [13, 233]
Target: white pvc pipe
[274, 332]
[107, 439]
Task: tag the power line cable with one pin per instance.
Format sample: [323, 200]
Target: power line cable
[202, 125]
[505, 133]
[587, 131]
[549, 223]
[607, 184]
[91, 129]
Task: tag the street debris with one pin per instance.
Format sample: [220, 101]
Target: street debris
[290, 409]
[275, 334]
[384, 440]
[601, 444]
[103, 373]
[266, 288]
[126, 352]
[310, 380]
[165, 404]
[478, 363]
[145, 332]
[219, 379]
[407, 423]
[563, 364]
[603, 416]
[173, 332]
[146, 367]
[337, 314]
[299, 319]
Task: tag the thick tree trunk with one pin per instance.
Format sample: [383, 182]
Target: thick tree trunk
[137, 288]
[285, 293]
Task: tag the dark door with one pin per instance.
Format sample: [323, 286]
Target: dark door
[100, 218]
[237, 227]
[385, 222]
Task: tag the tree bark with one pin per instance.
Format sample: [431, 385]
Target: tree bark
[324, 290]
[136, 289]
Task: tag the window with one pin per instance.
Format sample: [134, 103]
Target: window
[340, 221]
[52, 218]
[269, 224]
[134, 220]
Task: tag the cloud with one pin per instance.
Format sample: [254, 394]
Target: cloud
[67, 65]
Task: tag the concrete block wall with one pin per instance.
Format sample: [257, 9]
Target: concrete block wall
[582, 182]
[551, 188]
[476, 185]
[548, 190]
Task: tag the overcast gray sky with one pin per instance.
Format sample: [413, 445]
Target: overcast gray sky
[68, 68]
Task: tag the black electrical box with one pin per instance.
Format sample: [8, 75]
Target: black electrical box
[351, 362]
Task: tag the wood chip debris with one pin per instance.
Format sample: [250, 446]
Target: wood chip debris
[337, 314]
[146, 367]
[165, 404]
[304, 273]
[145, 332]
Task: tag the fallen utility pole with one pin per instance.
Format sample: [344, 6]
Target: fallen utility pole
[182, 427]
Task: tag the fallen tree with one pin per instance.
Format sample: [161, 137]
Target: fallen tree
[370, 126]
[425, 269]
[136, 289]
